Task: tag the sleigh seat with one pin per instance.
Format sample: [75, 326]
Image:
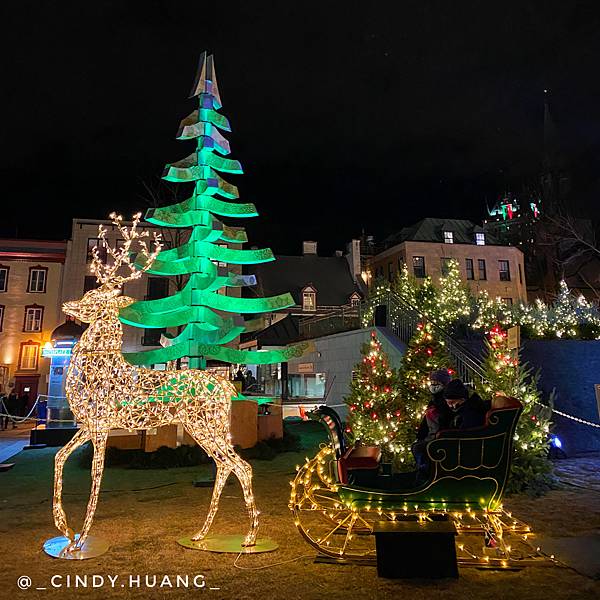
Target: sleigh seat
[467, 467]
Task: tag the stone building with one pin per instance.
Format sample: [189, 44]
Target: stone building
[429, 245]
[31, 275]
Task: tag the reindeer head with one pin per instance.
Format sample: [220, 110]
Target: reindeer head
[104, 302]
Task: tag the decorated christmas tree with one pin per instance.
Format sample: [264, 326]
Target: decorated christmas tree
[454, 299]
[505, 374]
[205, 315]
[374, 400]
[425, 353]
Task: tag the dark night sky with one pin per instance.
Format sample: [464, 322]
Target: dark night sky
[345, 115]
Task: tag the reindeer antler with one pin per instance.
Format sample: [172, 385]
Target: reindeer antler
[107, 274]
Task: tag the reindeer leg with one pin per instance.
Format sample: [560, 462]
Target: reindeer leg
[60, 518]
[99, 441]
[223, 471]
[243, 472]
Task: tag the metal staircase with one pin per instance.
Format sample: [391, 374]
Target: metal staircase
[402, 318]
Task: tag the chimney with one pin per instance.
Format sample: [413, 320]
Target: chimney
[309, 247]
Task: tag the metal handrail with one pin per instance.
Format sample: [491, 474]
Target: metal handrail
[468, 366]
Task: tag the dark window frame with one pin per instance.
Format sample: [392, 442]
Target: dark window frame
[482, 268]
[37, 356]
[419, 271]
[7, 269]
[470, 269]
[445, 265]
[504, 274]
[103, 252]
[2, 311]
[31, 270]
[37, 307]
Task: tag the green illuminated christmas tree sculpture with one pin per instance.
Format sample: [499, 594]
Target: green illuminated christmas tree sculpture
[207, 320]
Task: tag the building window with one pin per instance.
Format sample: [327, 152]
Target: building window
[419, 266]
[37, 279]
[4, 278]
[152, 337]
[448, 237]
[33, 318]
[1, 316]
[101, 245]
[221, 263]
[469, 268]
[481, 268]
[504, 269]
[390, 271]
[28, 357]
[309, 299]
[480, 239]
[158, 287]
[90, 282]
[520, 275]
[507, 301]
[445, 266]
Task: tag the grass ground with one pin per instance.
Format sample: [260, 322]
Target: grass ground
[143, 513]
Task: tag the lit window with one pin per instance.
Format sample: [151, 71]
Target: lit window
[480, 239]
[469, 268]
[419, 266]
[354, 300]
[504, 269]
[309, 299]
[3, 279]
[33, 318]
[37, 280]
[448, 237]
[28, 359]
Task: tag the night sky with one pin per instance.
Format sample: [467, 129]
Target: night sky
[345, 115]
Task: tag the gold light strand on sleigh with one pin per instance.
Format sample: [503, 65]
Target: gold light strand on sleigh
[105, 392]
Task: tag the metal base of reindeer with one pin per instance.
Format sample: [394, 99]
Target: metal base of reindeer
[93, 546]
[231, 544]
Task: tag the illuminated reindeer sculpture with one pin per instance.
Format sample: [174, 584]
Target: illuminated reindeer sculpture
[106, 392]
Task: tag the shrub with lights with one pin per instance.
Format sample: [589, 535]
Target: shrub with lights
[531, 468]
[568, 317]
[374, 405]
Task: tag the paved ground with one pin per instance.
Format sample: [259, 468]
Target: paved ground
[12, 441]
[143, 513]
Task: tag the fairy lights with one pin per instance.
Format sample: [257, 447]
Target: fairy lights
[374, 405]
[106, 392]
[341, 529]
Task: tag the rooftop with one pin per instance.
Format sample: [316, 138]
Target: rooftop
[432, 230]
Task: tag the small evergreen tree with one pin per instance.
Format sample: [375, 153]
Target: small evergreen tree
[454, 299]
[531, 468]
[374, 400]
[425, 353]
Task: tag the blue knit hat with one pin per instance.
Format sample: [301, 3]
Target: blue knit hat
[441, 376]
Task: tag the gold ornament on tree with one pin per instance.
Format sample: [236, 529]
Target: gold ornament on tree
[106, 392]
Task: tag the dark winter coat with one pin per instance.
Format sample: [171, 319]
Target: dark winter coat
[436, 417]
[469, 414]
